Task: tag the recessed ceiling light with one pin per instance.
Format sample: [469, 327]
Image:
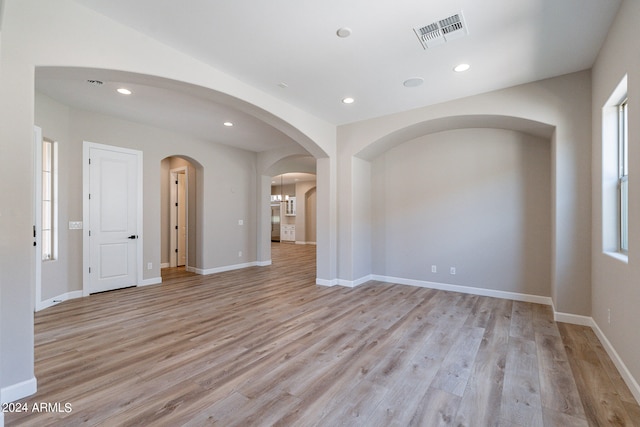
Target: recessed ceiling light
[124, 91]
[413, 82]
[462, 67]
[348, 100]
[343, 32]
[228, 124]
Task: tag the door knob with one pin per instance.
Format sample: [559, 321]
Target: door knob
[133, 236]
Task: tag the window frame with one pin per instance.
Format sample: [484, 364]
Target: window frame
[623, 175]
[49, 201]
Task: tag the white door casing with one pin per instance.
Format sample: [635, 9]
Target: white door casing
[178, 220]
[37, 214]
[182, 219]
[112, 214]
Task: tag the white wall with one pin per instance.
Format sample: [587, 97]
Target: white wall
[478, 200]
[616, 284]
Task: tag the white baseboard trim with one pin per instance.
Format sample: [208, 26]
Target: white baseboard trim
[617, 360]
[536, 299]
[354, 283]
[152, 281]
[56, 300]
[263, 263]
[304, 243]
[165, 265]
[325, 282]
[574, 319]
[215, 270]
[18, 391]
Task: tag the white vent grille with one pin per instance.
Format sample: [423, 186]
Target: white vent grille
[442, 31]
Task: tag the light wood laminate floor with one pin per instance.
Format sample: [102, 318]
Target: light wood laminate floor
[266, 346]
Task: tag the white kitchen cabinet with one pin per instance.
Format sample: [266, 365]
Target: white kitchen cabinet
[288, 233]
[290, 206]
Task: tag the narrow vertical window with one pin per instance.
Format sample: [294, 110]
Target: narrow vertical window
[623, 175]
[49, 199]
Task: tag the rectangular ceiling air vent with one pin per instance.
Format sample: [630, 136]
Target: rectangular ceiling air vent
[442, 31]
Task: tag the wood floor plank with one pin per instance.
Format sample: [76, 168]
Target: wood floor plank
[521, 401]
[557, 386]
[266, 346]
[601, 397]
[437, 408]
[480, 404]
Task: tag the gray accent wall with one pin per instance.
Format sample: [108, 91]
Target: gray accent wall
[478, 200]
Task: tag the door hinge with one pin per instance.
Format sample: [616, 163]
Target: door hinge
[176, 203]
[34, 231]
[176, 250]
[89, 233]
[89, 196]
[176, 228]
[89, 161]
[176, 182]
[89, 270]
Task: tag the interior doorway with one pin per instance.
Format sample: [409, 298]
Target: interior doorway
[293, 216]
[112, 212]
[178, 207]
[181, 186]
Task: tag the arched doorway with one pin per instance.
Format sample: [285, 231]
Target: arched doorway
[178, 216]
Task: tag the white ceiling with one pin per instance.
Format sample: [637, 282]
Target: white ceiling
[265, 43]
[161, 103]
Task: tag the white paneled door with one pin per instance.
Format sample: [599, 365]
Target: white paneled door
[113, 217]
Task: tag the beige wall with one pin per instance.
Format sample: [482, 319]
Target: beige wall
[557, 108]
[616, 284]
[304, 217]
[478, 200]
[232, 173]
[53, 118]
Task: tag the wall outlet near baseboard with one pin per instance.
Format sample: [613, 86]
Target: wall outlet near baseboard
[452, 270]
[434, 269]
[149, 265]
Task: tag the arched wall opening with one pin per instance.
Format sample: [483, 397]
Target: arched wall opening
[181, 184]
[465, 207]
[25, 48]
[304, 148]
[421, 198]
[288, 176]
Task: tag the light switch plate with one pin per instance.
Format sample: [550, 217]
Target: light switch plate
[75, 225]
